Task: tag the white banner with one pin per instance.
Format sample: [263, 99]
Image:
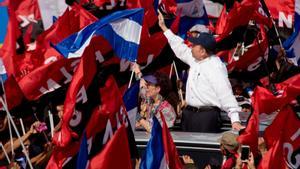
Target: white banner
[213, 9]
[50, 9]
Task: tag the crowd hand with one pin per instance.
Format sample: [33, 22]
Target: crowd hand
[161, 21]
[143, 83]
[262, 146]
[179, 84]
[180, 106]
[137, 124]
[281, 53]
[146, 125]
[138, 163]
[136, 68]
[237, 126]
[187, 159]
[249, 162]
[14, 165]
[49, 146]
[183, 104]
[33, 127]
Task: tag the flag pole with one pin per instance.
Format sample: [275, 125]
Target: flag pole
[171, 71]
[9, 124]
[11, 138]
[45, 135]
[175, 69]
[22, 126]
[267, 11]
[131, 76]
[272, 86]
[177, 79]
[5, 153]
[17, 132]
[51, 123]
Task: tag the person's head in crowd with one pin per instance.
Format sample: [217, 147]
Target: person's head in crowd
[246, 106]
[152, 87]
[229, 148]
[163, 87]
[195, 31]
[60, 110]
[238, 90]
[158, 84]
[155, 102]
[244, 103]
[203, 45]
[228, 143]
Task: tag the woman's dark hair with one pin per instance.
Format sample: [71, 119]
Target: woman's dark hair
[166, 90]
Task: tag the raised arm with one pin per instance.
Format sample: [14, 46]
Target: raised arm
[181, 50]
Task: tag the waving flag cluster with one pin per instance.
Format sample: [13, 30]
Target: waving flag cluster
[283, 147]
[77, 50]
[292, 44]
[264, 101]
[122, 29]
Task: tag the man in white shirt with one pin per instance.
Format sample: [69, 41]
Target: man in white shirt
[208, 89]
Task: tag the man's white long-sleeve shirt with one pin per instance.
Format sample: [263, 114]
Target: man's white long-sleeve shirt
[207, 83]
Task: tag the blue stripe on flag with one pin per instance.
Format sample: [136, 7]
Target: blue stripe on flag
[122, 29]
[123, 48]
[82, 157]
[3, 77]
[130, 99]
[292, 44]
[131, 96]
[3, 22]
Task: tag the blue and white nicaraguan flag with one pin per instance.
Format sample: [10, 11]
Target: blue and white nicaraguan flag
[130, 99]
[154, 155]
[292, 44]
[121, 29]
[193, 13]
[3, 74]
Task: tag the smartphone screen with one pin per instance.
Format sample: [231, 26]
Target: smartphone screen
[245, 152]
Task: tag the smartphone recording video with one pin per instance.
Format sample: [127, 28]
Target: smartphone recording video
[245, 152]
